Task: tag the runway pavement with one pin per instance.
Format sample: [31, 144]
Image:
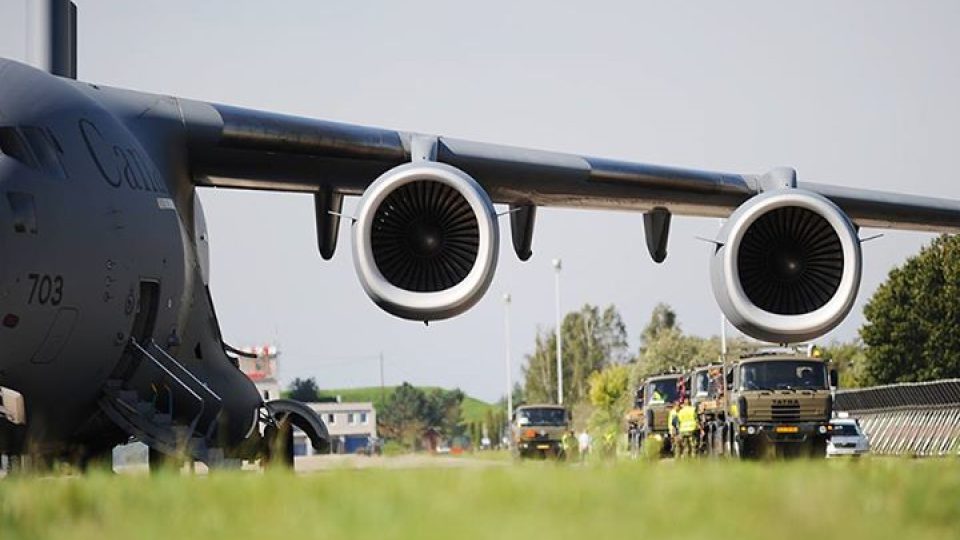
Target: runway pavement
[308, 464]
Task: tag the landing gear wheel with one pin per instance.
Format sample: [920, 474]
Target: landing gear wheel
[160, 462]
[279, 440]
[98, 460]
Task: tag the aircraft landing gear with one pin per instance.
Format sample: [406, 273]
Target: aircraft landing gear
[279, 444]
[160, 462]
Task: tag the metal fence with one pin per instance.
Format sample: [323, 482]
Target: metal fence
[917, 419]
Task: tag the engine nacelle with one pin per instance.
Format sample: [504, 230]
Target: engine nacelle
[787, 266]
[425, 242]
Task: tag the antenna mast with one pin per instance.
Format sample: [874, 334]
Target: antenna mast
[52, 36]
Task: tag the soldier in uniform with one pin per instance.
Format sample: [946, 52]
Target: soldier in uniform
[688, 427]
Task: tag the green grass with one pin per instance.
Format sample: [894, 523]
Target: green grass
[472, 410]
[872, 499]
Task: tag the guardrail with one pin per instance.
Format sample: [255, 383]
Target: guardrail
[917, 419]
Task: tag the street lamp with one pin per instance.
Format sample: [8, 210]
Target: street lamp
[557, 265]
[506, 331]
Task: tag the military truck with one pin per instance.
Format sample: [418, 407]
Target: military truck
[653, 400]
[706, 385]
[537, 431]
[775, 403]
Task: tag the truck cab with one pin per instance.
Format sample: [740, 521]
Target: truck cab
[538, 430]
[653, 401]
[778, 402]
[706, 384]
[706, 390]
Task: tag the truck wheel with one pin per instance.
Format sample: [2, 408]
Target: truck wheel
[818, 448]
[743, 448]
[716, 440]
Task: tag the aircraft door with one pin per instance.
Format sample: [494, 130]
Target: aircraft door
[145, 318]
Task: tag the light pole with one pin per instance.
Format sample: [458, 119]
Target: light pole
[723, 337]
[506, 331]
[557, 265]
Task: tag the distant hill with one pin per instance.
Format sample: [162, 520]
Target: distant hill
[473, 409]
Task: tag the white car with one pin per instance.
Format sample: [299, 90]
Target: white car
[847, 438]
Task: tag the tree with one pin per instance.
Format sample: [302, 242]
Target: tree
[591, 340]
[610, 397]
[305, 390]
[609, 387]
[662, 318]
[442, 410]
[493, 421]
[409, 411]
[665, 347]
[670, 349]
[402, 417]
[912, 328]
[518, 394]
[849, 359]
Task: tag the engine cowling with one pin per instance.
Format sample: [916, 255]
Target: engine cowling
[787, 266]
[425, 242]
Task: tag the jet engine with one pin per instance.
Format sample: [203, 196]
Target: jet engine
[425, 241]
[787, 266]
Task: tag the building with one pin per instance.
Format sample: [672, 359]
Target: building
[352, 426]
[262, 370]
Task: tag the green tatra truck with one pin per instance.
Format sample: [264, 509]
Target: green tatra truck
[538, 431]
[648, 419]
[772, 404]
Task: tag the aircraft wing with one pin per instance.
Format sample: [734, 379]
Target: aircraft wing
[242, 148]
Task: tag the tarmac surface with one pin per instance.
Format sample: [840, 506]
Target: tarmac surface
[307, 464]
[318, 463]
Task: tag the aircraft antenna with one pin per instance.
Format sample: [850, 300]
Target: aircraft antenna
[52, 36]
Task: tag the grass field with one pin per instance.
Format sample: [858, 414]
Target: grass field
[472, 410]
[872, 499]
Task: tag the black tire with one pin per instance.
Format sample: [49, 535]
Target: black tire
[98, 460]
[744, 448]
[818, 448]
[160, 462]
[727, 436]
[719, 434]
[279, 440]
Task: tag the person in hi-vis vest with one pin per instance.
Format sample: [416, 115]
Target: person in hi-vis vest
[687, 427]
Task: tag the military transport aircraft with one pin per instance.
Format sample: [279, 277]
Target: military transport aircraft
[108, 330]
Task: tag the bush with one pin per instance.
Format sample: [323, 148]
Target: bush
[394, 448]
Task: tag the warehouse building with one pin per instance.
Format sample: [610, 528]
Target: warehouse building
[352, 427]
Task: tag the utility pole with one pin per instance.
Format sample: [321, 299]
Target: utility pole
[506, 332]
[383, 394]
[557, 265]
[723, 336]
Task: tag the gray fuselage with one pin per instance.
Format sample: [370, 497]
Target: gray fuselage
[101, 241]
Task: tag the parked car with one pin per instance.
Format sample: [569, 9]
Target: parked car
[847, 438]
